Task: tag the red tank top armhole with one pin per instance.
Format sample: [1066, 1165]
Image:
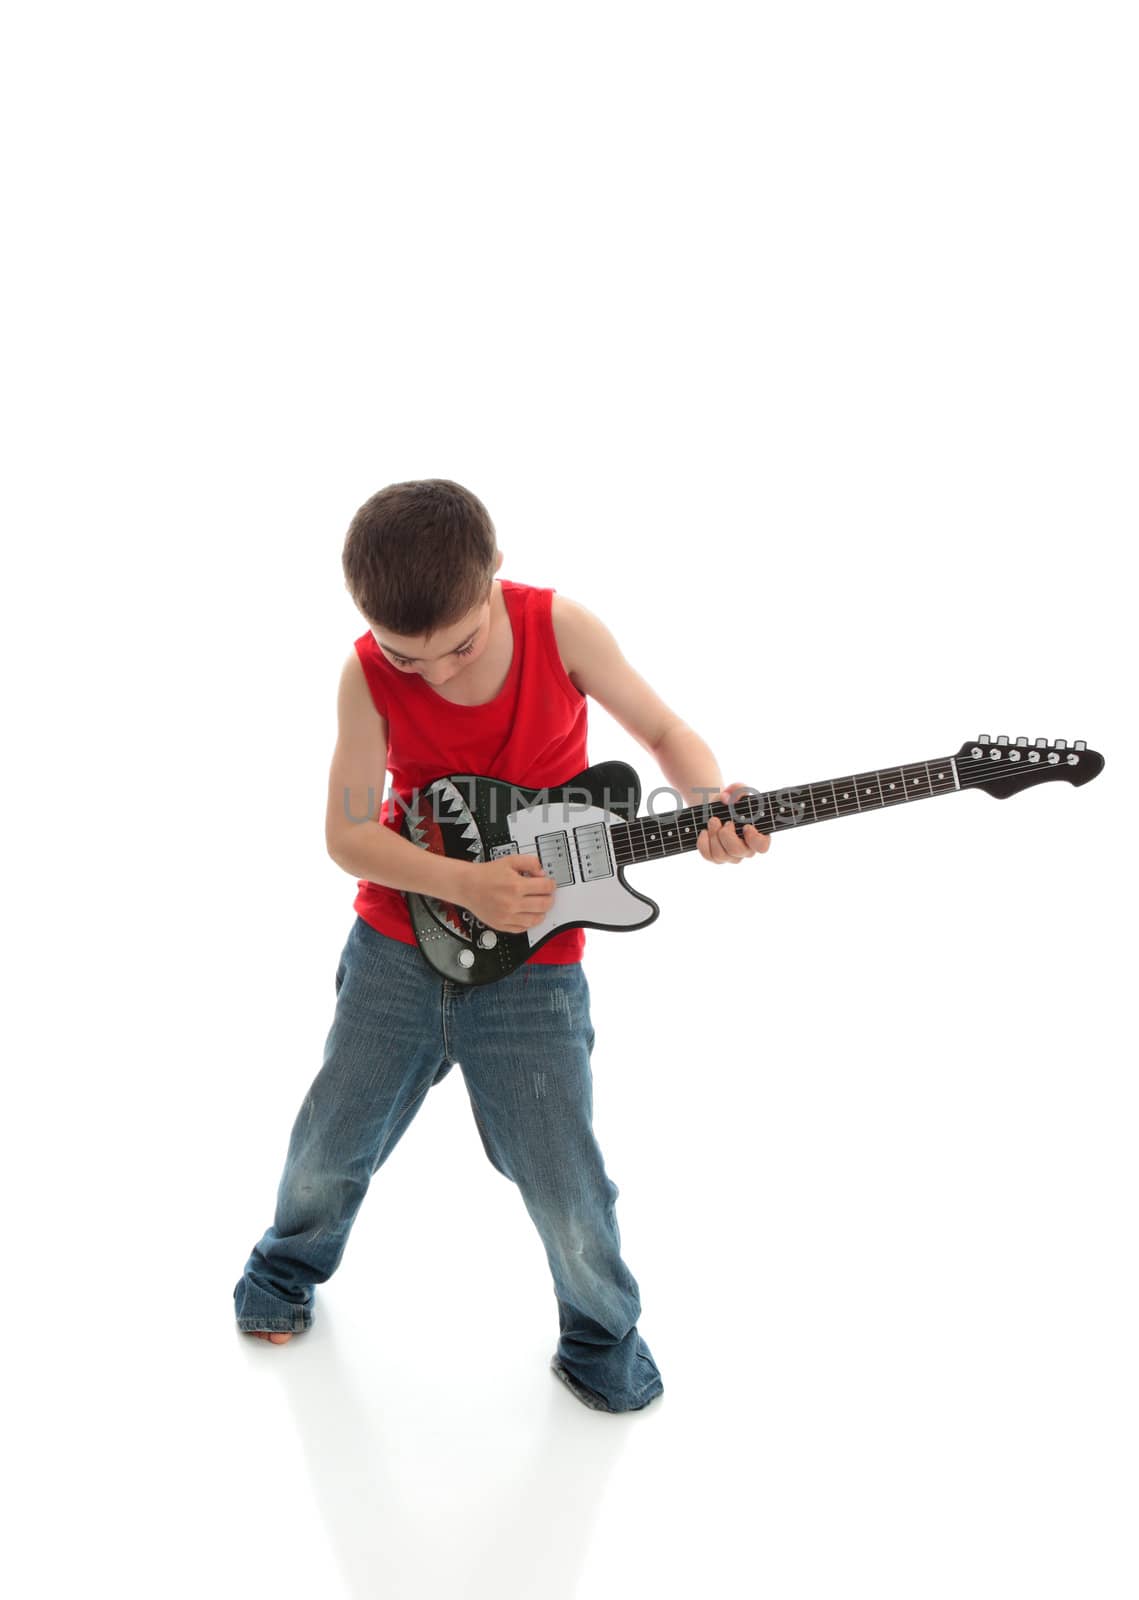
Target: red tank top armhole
[544, 606]
[367, 652]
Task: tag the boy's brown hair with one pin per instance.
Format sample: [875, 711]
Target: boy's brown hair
[419, 555]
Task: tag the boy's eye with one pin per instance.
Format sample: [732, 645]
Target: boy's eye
[401, 661]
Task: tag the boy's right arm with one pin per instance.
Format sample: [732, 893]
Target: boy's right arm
[499, 892]
[354, 839]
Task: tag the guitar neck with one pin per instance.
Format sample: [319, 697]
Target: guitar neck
[780, 810]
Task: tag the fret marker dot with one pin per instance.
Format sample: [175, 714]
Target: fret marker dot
[846, 794]
[891, 786]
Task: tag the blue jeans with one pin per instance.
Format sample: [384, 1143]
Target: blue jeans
[523, 1045]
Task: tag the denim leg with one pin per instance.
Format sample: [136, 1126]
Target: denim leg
[382, 1054]
[523, 1045]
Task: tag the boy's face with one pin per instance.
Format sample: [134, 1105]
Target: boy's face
[447, 653]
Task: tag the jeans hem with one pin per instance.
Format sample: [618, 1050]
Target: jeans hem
[294, 1324]
[596, 1402]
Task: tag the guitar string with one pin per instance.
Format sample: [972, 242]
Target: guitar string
[972, 773]
[976, 775]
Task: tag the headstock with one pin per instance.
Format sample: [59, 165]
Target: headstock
[1002, 767]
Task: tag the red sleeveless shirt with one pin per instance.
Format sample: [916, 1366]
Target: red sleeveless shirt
[532, 734]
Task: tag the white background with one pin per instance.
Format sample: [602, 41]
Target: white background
[799, 343]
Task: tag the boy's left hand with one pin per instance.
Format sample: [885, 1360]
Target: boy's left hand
[721, 841]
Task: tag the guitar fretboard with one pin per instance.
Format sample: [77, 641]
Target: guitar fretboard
[671, 833]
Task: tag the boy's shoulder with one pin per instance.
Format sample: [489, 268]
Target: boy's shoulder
[578, 632]
[576, 629]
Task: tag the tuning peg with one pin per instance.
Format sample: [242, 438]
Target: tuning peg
[1022, 742]
[1002, 738]
[1061, 744]
[1079, 745]
[982, 738]
[1042, 744]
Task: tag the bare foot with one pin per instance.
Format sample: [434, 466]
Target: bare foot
[273, 1338]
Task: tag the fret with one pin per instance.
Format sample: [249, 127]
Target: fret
[916, 780]
[845, 796]
[824, 801]
[691, 827]
[893, 786]
[787, 810]
[761, 817]
[941, 776]
[749, 808]
[868, 790]
[669, 823]
[625, 842]
[651, 838]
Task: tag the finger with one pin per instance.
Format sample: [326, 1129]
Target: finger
[542, 890]
[717, 843]
[731, 844]
[718, 850]
[734, 847]
[753, 842]
[746, 839]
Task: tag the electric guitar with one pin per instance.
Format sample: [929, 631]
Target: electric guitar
[586, 832]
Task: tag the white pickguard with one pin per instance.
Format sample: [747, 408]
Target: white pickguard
[574, 845]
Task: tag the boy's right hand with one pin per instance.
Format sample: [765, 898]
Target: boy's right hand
[511, 894]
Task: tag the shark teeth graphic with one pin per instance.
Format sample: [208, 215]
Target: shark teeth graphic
[446, 794]
[449, 917]
[415, 827]
[450, 808]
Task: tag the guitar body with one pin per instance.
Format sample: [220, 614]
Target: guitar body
[473, 818]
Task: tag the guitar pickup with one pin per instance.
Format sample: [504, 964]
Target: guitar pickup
[592, 840]
[553, 853]
[497, 850]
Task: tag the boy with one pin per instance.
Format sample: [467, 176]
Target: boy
[462, 672]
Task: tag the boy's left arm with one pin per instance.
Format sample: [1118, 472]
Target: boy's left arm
[593, 659]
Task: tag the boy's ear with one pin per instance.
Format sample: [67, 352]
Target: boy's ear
[498, 563]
